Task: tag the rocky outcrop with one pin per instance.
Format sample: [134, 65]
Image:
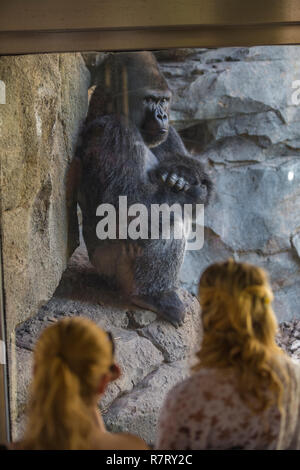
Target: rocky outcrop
[153, 355]
[233, 107]
[46, 100]
[289, 338]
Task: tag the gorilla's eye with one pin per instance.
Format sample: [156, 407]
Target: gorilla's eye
[164, 100]
[148, 99]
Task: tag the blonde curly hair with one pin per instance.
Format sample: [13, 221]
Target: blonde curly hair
[239, 328]
[70, 357]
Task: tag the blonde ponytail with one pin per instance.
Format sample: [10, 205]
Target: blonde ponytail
[70, 358]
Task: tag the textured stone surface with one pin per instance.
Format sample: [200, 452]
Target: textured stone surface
[137, 358]
[46, 100]
[289, 338]
[233, 107]
[138, 411]
[179, 343]
[296, 243]
[145, 344]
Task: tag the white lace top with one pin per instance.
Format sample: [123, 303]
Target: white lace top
[206, 412]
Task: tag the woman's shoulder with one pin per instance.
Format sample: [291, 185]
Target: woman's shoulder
[198, 383]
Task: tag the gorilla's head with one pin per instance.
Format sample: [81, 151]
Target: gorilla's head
[153, 116]
[134, 86]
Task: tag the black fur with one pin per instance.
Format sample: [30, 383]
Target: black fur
[116, 160]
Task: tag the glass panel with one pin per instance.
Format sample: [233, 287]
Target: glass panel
[235, 117]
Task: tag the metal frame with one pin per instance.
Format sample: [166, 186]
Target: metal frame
[5, 432]
[35, 26]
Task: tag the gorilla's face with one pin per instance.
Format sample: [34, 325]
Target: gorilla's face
[151, 115]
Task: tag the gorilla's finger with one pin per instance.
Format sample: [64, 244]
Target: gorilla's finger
[180, 184]
[172, 179]
[164, 177]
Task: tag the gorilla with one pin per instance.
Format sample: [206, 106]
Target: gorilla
[127, 147]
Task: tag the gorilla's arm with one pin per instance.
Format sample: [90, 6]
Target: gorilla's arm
[179, 171]
[116, 162]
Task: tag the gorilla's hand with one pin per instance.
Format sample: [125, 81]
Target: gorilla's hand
[173, 180]
[191, 182]
[178, 177]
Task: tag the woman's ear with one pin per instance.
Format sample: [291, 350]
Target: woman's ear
[112, 375]
[104, 381]
[115, 372]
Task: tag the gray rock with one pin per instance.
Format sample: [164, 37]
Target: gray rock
[239, 89]
[177, 344]
[222, 54]
[195, 262]
[296, 243]
[142, 318]
[295, 346]
[286, 303]
[267, 125]
[255, 206]
[137, 358]
[235, 150]
[271, 53]
[283, 267]
[138, 411]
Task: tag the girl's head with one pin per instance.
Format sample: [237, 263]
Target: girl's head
[73, 362]
[239, 328]
[236, 297]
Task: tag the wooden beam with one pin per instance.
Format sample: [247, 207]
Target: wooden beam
[38, 42]
[47, 15]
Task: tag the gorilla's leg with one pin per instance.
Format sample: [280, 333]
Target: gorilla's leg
[145, 272]
[156, 279]
[114, 261]
[166, 303]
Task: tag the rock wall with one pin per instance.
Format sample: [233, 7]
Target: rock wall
[233, 107]
[46, 100]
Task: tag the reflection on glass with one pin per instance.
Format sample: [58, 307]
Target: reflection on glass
[235, 111]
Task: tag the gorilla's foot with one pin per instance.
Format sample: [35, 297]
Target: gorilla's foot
[166, 304]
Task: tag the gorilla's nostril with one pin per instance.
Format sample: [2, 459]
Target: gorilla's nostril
[161, 116]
